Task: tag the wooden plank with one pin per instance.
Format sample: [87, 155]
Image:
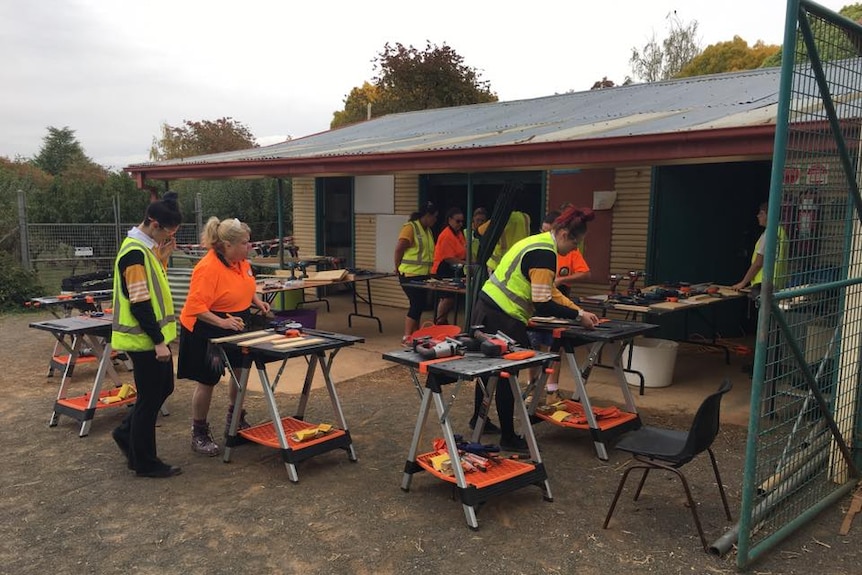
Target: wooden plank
[272, 337]
[298, 342]
[328, 275]
[238, 336]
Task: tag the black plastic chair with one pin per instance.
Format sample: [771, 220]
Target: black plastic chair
[668, 449]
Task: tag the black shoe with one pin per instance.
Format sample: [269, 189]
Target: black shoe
[516, 444]
[161, 472]
[123, 444]
[489, 429]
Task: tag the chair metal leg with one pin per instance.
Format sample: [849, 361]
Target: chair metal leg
[641, 484]
[693, 507]
[617, 495]
[720, 485]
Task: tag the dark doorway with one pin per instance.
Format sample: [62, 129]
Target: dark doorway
[334, 216]
[703, 226]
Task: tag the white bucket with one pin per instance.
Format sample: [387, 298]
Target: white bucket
[655, 359]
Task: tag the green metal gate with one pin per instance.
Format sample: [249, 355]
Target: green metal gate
[804, 430]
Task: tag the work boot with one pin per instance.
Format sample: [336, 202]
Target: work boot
[515, 444]
[243, 424]
[203, 443]
[489, 429]
[552, 397]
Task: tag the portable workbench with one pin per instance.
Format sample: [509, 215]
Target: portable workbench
[62, 306]
[94, 332]
[261, 347]
[582, 414]
[504, 476]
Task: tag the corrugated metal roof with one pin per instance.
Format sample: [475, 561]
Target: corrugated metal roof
[730, 100]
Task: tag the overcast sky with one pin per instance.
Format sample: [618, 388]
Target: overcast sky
[115, 70]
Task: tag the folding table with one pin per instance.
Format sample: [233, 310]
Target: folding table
[583, 414]
[95, 332]
[502, 477]
[265, 346]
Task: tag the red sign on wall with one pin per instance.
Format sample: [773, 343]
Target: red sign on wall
[817, 175]
[792, 175]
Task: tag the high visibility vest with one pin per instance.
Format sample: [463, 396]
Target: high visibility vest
[508, 287]
[418, 257]
[780, 273]
[126, 332]
[517, 228]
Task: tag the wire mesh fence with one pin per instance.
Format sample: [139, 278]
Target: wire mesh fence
[808, 357]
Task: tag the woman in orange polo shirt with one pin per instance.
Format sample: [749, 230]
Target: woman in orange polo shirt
[450, 251]
[221, 291]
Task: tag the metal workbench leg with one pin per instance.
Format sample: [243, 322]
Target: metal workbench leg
[306, 385]
[336, 406]
[581, 387]
[236, 416]
[104, 355]
[417, 435]
[530, 437]
[74, 352]
[269, 395]
[454, 456]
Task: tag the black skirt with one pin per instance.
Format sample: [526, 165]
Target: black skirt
[191, 360]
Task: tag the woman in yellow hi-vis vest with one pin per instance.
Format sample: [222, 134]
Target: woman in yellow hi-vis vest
[144, 325]
[754, 274]
[522, 286]
[517, 228]
[414, 254]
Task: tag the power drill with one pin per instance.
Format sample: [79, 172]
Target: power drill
[634, 276]
[615, 280]
[427, 348]
[494, 345]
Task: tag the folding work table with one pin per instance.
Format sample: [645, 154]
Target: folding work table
[95, 332]
[502, 477]
[271, 286]
[62, 306]
[582, 414]
[261, 347]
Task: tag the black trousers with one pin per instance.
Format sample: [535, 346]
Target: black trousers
[154, 381]
[495, 319]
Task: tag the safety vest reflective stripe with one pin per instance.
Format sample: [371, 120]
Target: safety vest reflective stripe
[128, 334]
[508, 287]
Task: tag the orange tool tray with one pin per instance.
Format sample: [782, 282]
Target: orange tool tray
[497, 472]
[265, 434]
[64, 359]
[603, 422]
[81, 402]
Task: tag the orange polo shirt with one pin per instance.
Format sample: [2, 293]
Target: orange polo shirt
[449, 245]
[571, 263]
[218, 288]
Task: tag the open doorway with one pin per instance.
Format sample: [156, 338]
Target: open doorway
[334, 217]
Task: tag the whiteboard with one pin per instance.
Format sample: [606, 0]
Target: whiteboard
[388, 228]
[374, 194]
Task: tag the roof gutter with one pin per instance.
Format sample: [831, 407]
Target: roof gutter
[650, 149]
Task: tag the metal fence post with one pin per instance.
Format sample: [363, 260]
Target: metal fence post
[199, 216]
[22, 229]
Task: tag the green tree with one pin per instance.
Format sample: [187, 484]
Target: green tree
[356, 105]
[728, 57]
[410, 79]
[846, 46]
[203, 137]
[60, 150]
[661, 61]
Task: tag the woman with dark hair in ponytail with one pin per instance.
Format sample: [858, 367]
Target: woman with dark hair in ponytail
[522, 286]
[414, 254]
[144, 325]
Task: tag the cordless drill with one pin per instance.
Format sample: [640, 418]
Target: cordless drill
[494, 345]
[427, 348]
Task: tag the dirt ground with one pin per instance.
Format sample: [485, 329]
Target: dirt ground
[70, 505]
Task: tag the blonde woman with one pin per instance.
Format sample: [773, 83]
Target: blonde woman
[221, 293]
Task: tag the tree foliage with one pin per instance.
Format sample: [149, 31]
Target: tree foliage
[410, 79]
[202, 137]
[663, 60]
[833, 48]
[60, 150]
[731, 56]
